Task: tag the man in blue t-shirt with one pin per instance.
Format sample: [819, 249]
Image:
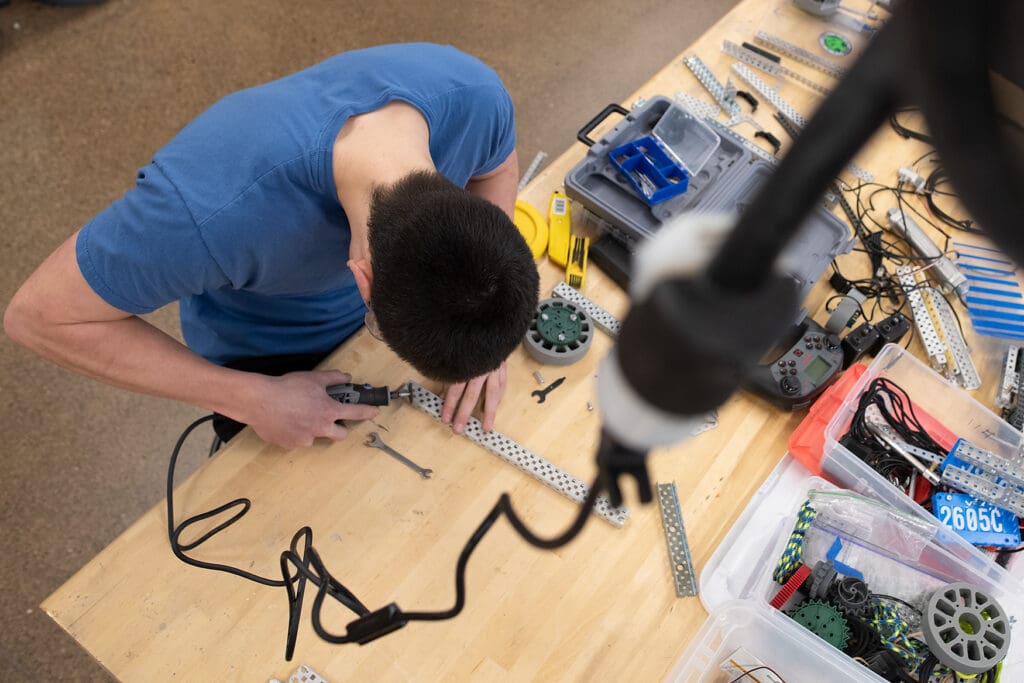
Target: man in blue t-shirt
[377, 185]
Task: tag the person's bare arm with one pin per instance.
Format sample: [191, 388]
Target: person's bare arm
[57, 315]
[499, 186]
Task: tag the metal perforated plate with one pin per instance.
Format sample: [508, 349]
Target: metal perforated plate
[873, 415]
[965, 373]
[514, 454]
[711, 84]
[697, 106]
[765, 91]
[934, 346]
[768, 66]
[799, 54]
[675, 536]
[304, 674]
[600, 317]
[1008, 378]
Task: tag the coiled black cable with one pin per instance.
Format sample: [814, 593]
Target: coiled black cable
[302, 564]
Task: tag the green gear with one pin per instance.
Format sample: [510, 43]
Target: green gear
[824, 621]
[559, 325]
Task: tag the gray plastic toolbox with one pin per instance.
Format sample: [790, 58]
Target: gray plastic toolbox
[725, 182]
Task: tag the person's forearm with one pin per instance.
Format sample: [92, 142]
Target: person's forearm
[132, 354]
[500, 187]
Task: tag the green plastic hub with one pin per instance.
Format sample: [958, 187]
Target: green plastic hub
[559, 325]
[824, 621]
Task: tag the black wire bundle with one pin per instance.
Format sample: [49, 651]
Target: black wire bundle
[895, 406]
[301, 563]
[936, 178]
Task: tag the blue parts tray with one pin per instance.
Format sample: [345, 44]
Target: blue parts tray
[650, 170]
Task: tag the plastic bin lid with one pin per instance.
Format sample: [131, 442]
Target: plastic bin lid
[687, 138]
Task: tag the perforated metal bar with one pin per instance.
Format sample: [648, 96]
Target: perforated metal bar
[765, 91]
[965, 373]
[697, 106]
[727, 132]
[1007, 469]
[981, 486]
[1008, 378]
[518, 456]
[873, 415]
[769, 67]
[675, 537]
[711, 84]
[799, 54]
[934, 346]
[602, 318]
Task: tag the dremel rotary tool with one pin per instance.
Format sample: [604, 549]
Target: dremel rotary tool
[366, 394]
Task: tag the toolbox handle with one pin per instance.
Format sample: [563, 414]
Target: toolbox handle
[584, 132]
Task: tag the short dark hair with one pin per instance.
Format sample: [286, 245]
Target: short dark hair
[454, 283]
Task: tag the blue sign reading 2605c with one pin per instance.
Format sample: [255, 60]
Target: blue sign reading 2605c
[976, 520]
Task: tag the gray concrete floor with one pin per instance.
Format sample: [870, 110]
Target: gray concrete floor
[88, 94]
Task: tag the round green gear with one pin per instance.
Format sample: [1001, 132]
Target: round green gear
[835, 44]
[560, 333]
[824, 621]
[559, 324]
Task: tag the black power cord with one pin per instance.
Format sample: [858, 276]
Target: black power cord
[301, 563]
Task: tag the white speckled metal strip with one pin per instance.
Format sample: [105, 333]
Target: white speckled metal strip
[799, 54]
[710, 83]
[675, 536]
[965, 372]
[602, 318]
[531, 463]
[1008, 378]
[768, 66]
[697, 106]
[922, 320]
[873, 415]
[765, 91]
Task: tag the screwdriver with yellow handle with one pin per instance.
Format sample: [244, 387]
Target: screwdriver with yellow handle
[564, 248]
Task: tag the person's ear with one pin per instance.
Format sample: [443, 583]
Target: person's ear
[360, 267]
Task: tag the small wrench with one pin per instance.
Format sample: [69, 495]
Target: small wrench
[542, 394]
[375, 442]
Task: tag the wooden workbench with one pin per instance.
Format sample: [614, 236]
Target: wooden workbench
[602, 608]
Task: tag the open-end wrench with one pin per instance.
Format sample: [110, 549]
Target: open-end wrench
[542, 394]
[375, 442]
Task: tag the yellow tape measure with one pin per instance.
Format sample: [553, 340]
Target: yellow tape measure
[559, 224]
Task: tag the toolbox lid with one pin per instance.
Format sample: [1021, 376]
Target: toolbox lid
[687, 138]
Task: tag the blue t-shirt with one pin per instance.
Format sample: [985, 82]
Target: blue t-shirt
[238, 216]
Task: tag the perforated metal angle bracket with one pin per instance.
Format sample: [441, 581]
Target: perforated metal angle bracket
[1008, 379]
[675, 537]
[933, 345]
[963, 370]
[518, 456]
[718, 91]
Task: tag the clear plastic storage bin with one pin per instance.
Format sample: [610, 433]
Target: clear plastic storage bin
[942, 400]
[736, 585]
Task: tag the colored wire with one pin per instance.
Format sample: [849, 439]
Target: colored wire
[756, 669]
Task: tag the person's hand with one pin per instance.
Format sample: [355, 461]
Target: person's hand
[461, 398]
[293, 409]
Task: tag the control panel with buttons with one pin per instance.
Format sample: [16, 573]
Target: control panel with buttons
[811, 358]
